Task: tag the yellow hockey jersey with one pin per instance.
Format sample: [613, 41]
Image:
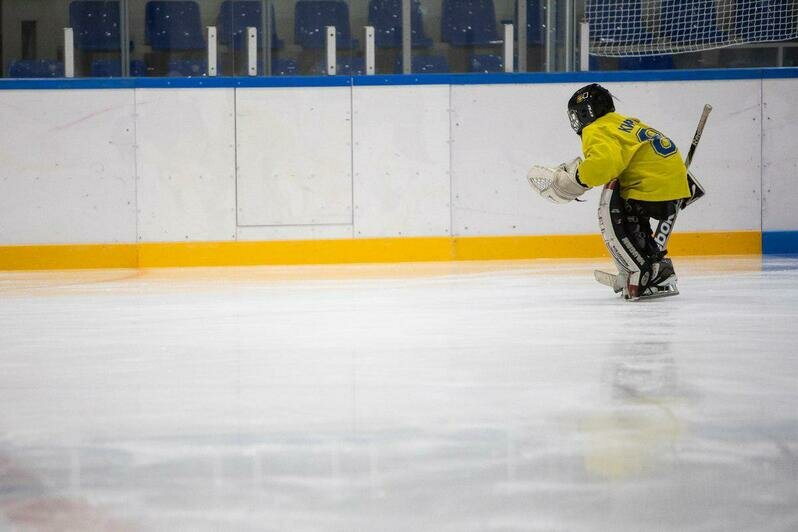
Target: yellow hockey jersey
[647, 164]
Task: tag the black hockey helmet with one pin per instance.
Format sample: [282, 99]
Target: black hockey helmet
[588, 104]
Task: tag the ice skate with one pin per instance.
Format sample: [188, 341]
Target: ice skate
[662, 284]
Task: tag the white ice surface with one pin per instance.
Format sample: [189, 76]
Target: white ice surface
[419, 397]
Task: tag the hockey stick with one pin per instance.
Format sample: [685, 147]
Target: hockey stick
[662, 233]
[696, 189]
[697, 136]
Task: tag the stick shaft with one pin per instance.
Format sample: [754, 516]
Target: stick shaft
[662, 233]
[697, 137]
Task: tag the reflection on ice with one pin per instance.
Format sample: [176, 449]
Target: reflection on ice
[641, 427]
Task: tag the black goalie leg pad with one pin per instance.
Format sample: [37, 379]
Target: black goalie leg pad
[625, 227]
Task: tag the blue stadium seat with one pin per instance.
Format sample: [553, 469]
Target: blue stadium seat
[95, 25]
[386, 17]
[345, 66]
[36, 68]
[285, 67]
[312, 16]
[617, 22]
[485, 63]
[771, 20]
[173, 25]
[693, 21]
[425, 64]
[187, 68]
[108, 68]
[653, 62]
[468, 22]
[236, 16]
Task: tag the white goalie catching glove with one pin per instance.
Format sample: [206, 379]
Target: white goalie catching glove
[558, 185]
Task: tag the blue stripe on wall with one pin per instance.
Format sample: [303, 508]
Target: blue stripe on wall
[402, 79]
[779, 242]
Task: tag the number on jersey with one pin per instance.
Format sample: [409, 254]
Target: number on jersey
[662, 145]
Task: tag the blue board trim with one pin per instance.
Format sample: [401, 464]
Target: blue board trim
[779, 242]
[402, 79]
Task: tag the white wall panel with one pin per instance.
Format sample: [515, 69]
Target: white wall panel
[401, 161]
[294, 232]
[780, 157]
[67, 167]
[186, 164]
[294, 156]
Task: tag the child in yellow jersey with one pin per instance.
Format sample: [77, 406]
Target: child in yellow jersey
[643, 176]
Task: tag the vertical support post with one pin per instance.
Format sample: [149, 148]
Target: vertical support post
[550, 35]
[369, 50]
[569, 35]
[508, 47]
[69, 53]
[252, 50]
[124, 37]
[331, 63]
[584, 46]
[266, 46]
[212, 50]
[407, 39]
[522, 34]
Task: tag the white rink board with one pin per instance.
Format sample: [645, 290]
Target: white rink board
[67, 171]
[401, 161]
[294, 156]
[308, 168]
[780, 158]
[499, 131]
[186, 164]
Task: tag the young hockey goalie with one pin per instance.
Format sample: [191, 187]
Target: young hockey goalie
[644, 177]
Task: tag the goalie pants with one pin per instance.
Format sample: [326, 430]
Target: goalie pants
[626, 229]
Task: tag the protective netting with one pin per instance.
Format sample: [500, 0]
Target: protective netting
[654, 27]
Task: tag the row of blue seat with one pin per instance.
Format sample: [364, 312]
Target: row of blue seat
[620, 22]
[104, 68]
[176, 24]
[280, 67]
[422, 64]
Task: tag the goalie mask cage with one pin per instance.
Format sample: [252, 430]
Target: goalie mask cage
[621, 28]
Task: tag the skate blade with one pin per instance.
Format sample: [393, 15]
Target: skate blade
[665, 292]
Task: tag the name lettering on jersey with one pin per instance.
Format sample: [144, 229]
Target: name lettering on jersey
[627, 125]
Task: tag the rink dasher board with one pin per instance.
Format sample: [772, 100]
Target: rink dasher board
[457, 177]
